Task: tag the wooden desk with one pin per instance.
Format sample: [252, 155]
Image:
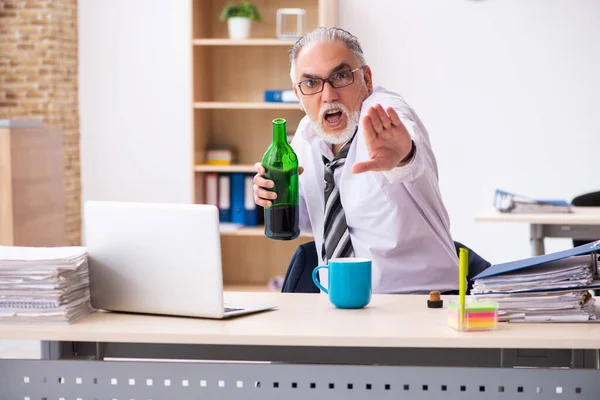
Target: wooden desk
[310, 320]
[583, 223]
[304, 349]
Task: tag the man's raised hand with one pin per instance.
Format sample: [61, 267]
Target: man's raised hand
[386, 138]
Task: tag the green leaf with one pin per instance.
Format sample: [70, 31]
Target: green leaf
[243, 9]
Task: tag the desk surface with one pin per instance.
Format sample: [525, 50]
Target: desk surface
[579, 216]
[310, 320]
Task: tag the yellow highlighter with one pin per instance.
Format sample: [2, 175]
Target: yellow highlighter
[477, 315]
[463, 270]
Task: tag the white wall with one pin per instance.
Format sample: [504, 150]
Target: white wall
[135, 98]
[509, 91]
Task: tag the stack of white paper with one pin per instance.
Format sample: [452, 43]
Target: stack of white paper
[44, 283]
[549, 292]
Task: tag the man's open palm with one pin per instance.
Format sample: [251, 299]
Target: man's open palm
[386, 138]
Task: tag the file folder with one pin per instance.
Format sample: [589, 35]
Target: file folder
[224, 198]
[512, 203]
[280, 96]
[250, 212]
[237, 198]
[212, 189]
[549, 288]
[512, 266]
[591, 248]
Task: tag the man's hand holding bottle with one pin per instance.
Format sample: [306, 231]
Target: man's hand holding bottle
[262, 195]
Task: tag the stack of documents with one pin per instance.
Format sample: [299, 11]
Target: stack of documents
[575, 306]
[44, 284]
[513, 203]
[549, 288]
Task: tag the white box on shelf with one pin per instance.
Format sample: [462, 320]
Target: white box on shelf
[282, 29]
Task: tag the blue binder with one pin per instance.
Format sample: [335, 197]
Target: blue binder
[509, 202]
[237, 198]
[280, 96]
[590, 248]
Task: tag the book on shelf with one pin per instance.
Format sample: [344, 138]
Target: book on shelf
[220, 155]
[507, 202]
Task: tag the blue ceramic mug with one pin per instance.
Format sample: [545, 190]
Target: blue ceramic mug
[349, 282]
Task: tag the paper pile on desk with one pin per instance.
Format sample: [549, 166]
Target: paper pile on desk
[557, 291]
[44, 283]
[514, 203]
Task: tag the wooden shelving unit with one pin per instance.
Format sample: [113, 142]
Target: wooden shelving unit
[230, 77]
[247, 42]
[225, 168]
[248, 231]
[240, 105]
[248, 288]
[32, 197]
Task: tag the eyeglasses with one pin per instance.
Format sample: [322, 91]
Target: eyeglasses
[337, 80]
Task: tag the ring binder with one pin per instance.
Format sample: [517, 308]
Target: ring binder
[509, 202]
[548, 288]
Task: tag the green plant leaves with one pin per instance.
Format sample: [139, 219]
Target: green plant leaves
[243, 9]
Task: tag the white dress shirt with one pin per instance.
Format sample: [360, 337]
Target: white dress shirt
[395, 218]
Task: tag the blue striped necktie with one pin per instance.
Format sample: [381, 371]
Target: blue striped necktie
[336, 238]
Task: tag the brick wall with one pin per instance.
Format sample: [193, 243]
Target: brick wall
[38, 80]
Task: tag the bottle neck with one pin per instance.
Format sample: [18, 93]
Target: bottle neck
[279, 134]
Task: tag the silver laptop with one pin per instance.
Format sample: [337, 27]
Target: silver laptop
[158, 259]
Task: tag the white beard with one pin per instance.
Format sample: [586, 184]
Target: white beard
[338, 137]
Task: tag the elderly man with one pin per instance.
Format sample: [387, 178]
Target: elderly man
[383, 200]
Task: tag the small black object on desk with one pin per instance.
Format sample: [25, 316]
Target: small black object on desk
[434, 300]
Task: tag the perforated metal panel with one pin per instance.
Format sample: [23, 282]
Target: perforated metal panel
[70, 379]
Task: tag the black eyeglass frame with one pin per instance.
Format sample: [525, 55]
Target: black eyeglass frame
[328, 79]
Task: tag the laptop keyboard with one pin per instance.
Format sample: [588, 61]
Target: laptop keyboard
[232, 309]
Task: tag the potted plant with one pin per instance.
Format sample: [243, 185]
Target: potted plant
[239, 16]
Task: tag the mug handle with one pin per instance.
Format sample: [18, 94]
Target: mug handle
[314, 278]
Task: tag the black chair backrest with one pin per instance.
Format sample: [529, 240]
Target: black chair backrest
[298, 278]
[586, 200]
[477, 264]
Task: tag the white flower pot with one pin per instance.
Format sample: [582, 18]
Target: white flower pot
[239, 28]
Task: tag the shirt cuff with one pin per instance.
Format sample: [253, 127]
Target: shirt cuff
[400, 173]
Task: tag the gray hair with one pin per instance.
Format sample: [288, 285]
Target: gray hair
[323, 34]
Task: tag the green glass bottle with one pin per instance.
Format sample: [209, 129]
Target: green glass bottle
[281, 166]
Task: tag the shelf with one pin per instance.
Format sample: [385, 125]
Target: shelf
[244, 231]
[229, 109]
[231, 230]
[246, 105]
[247, 42]
[225, 168]
[247, 287]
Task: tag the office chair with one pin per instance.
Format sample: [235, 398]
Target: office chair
[586, 200]
[476, 264]
[298, 278]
